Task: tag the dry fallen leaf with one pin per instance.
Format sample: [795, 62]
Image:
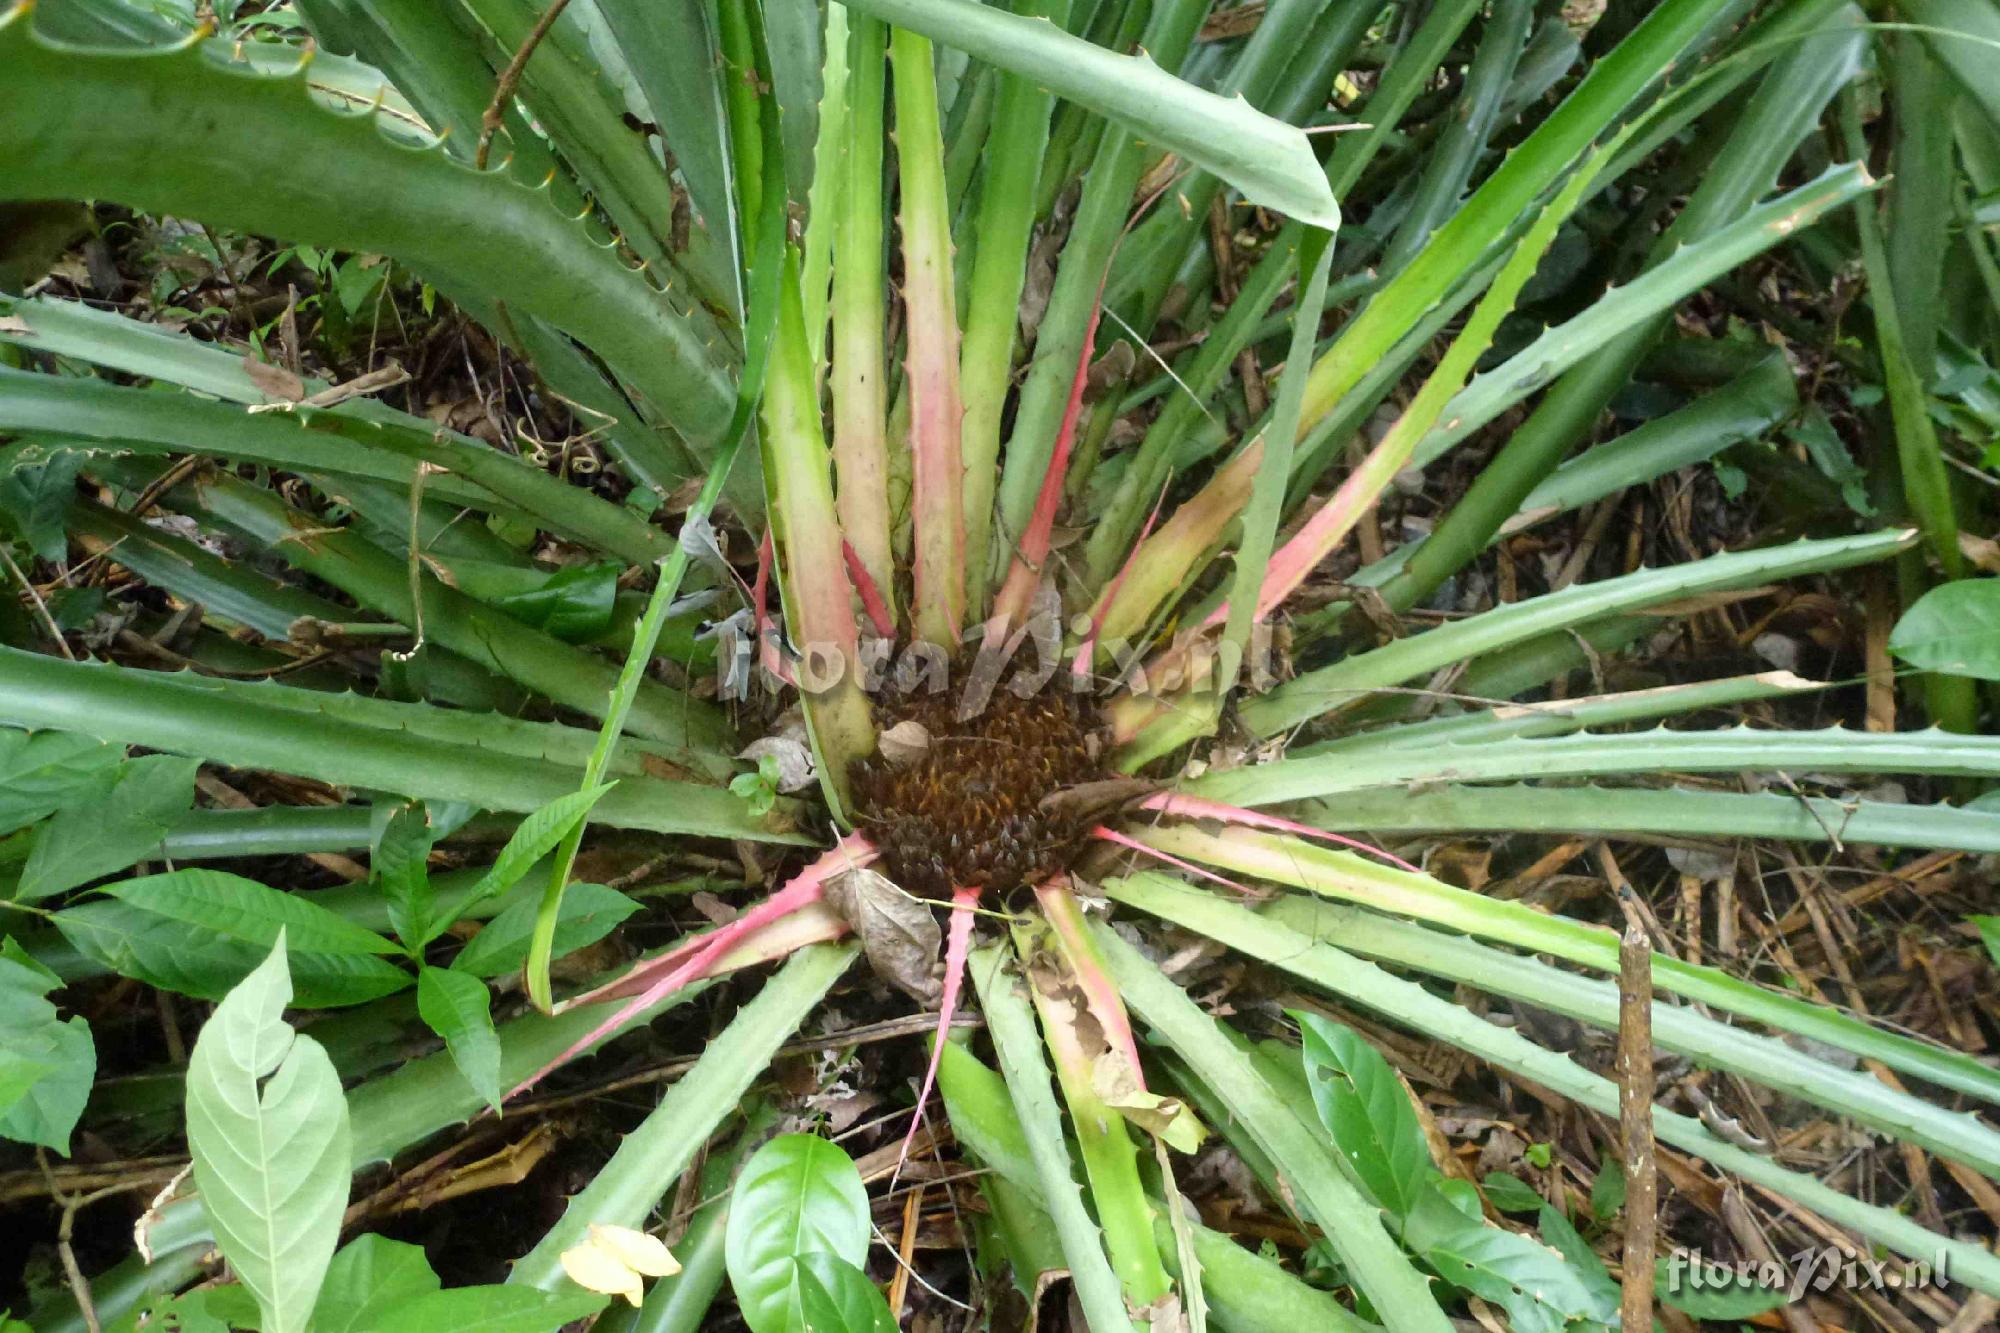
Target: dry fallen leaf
[1117, 1086]
[899, 932]
[274, 382]
[795, 761]
[905, 742]
[613, 1259]
[639, 1251]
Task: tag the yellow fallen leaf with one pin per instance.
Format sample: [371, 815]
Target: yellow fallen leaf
[640, 1252]
[598, 1269]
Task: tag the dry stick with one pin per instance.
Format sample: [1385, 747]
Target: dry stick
[899, 1286]
[509, 77]
[1742, 1224]
[1635, 1122]
[71, 1204]
[41, 607]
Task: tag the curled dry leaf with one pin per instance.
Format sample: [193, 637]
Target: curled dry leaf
[1116, 1084]
[905, 742]
[898, 931]
[639, 1251]
[795, 761]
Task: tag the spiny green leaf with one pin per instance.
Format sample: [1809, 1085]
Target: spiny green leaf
[267, 1127]
[482, 232]
[1270, 161]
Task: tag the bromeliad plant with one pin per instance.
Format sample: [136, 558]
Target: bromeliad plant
[923, 418]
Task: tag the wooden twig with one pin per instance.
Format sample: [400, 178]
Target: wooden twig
[1635, 1122]
[899, 1286]
[41, 607]
[503, 92]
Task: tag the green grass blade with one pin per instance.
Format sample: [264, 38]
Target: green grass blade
[1270, 162]
[1330, 687]
[1682, 1029]
[1006, 220]
[1411, 1006]
[1012, 1024]
[1656, 812]
[1345, 876]
[243, 731]
[109, 125]
[651, 1158]
[1352, 1223]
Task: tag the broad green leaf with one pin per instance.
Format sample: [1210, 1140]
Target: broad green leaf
[1510, 1194]
[243, 909]
[98, 832]
[1367, 1111]
[589, 913]
[402, 872]
[1531, 1282]
[534, 837]
[190, 959]
[797, 1195]
[46, 1064]
[837, 1297]
[1559, 1235]
[1271, 162]
[1607, 1192]
[490, 1310]
[41, 770]
[457, 1008]
[267, 1128]
[1954, 628]
[573, 604]
[1709, 1292]
[1989, 931]
[368, 1281]
[33, 500]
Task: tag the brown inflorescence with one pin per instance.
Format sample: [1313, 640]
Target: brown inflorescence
[968, 810]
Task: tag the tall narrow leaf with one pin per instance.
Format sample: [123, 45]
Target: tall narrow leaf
[931, 362]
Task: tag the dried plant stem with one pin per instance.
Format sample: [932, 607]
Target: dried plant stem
[510, 77]
[1635, 1122]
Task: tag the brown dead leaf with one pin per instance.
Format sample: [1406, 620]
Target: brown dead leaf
[1116, 1084]
[275, 382]
[898, 932]
[905, 742]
